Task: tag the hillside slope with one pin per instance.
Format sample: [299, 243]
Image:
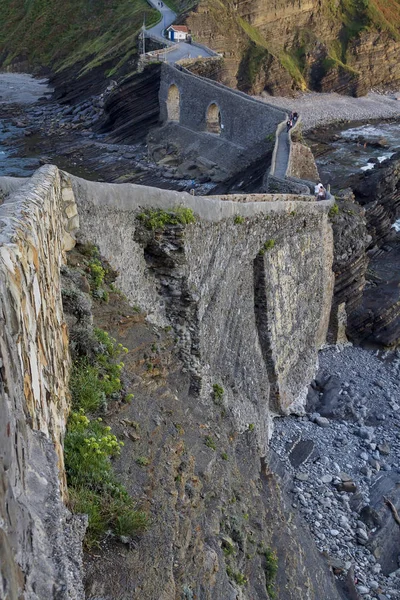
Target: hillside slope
[61, 35]
[347, 46]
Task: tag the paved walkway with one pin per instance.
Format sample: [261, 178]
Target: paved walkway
[182, 49]
[282, 154]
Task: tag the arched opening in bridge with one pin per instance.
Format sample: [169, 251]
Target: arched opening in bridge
[173, 101]
[213, 119]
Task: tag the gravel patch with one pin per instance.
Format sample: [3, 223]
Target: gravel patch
[322, 109]
[344, 465]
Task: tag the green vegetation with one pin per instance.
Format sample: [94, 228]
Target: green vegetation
[227, 547]
[218, 393]
[333, 211]
[93, 381]
[290, 62]
[268, 245]
[270, 570]
[236, 576]
[158, 219]
[251, 426]
[62, 34]
[93, 488]
[224, 456]
[210, 442]
[142, 461]
[238, 220]
[97, 273]
[253, 60]
[89, 444]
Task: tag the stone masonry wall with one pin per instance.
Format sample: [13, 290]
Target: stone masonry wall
[244, 318]
[245, 120]
[40, 542]
[247, 125]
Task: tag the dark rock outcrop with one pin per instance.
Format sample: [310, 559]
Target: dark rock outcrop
[351, 240]
[364, 238]
[133, 108]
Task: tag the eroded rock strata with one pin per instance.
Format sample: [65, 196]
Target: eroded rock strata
[281, 47]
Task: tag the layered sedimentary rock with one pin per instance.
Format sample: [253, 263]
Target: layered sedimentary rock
[378, 317]
[367, 258]
[40, 541]
[283, 46]
[351, 240]
[133, 108]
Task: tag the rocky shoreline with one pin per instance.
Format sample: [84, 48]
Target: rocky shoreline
[343, 458]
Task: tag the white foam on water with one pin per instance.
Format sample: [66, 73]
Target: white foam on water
[396, 225]
[385, 156]
[368, 167]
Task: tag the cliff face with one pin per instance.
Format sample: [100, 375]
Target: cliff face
[284, 46]
[367, 258]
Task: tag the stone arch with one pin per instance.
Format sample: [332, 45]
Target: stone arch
[213, 119]
[173, 103]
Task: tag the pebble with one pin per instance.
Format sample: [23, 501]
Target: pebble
[337, 484]
[362, 589]
[322, 421]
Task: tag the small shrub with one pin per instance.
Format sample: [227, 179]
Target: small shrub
[251, 426]
[218, 393]
[142, 461]
[333, 211]
[89, 250]
[224, 456]
[86, 387]
[210, 442]
[89, 445]
[268, 245]
[238, 577]
[270, 137]
[227, 548]
[97, 273]
[238, 220]
[270, 570]
[158, 219]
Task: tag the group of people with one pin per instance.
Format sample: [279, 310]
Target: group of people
[292, 120]
[320, 192]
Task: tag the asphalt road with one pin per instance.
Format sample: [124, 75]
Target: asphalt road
[182, 50]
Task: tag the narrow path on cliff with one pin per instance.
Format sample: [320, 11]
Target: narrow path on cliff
[282, 154]
[182, 49]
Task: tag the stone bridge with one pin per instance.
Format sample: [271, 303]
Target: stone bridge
[207, 119]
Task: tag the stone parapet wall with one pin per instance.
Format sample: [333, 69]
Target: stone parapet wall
[301, 174]
[256, 121]
[38, 536]
[223, 290]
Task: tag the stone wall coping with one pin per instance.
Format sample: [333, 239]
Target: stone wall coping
[132, 197]
[8, 185]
